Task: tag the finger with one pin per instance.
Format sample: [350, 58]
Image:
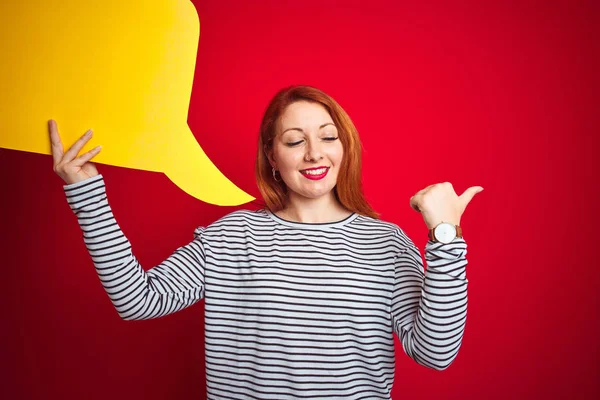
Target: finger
[426, 189]
[468, 194]
[56, 144]
[77, 146]
[414, 203]
[85, 157]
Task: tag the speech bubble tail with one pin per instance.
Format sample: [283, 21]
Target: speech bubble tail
[193, 172]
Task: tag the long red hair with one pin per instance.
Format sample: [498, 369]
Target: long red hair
[348, 189]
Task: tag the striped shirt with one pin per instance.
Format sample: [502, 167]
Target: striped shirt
[292, 310]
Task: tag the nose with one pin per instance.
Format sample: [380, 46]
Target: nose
[313, 151]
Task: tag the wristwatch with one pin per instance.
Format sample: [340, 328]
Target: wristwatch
[445, 233]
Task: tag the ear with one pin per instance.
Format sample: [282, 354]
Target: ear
[270, 156]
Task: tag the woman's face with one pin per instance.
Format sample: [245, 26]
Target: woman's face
[307, 151]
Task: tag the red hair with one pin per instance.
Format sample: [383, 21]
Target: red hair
[348, 189]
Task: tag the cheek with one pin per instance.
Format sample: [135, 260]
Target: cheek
[338, 155]
[287, 158]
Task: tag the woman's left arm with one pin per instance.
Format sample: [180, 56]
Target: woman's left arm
[429, 310]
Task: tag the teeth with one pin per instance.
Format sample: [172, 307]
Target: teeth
[319, 171]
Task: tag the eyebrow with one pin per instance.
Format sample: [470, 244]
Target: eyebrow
[300, 130]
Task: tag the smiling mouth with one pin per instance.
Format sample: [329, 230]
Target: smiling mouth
[315, 173]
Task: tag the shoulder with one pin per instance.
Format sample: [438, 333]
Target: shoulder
[240, 219]
[375, 226]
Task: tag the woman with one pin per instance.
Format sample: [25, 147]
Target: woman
[301, 298]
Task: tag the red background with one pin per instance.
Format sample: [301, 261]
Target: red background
[476, 93]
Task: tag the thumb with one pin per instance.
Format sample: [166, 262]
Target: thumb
[468, 194]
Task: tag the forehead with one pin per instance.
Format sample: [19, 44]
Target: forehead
[304, 114]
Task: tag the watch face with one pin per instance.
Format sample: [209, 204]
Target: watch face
[445, 232]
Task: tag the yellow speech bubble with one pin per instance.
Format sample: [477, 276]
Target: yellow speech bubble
[124, 69]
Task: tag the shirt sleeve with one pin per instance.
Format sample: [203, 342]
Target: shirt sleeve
[429, 309]
[173, 285]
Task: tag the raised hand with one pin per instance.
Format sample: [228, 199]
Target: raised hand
[439, 203]
[67, 165]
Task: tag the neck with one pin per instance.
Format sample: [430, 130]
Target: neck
[321, 210]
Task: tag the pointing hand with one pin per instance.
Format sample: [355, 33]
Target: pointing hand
[439, 203]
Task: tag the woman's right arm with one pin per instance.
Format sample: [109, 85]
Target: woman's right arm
[174, 284]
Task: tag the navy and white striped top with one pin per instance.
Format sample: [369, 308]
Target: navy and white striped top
[292, 310]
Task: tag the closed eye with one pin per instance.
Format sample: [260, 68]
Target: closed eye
[327, 139]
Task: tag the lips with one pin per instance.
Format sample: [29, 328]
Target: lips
[315, 174]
